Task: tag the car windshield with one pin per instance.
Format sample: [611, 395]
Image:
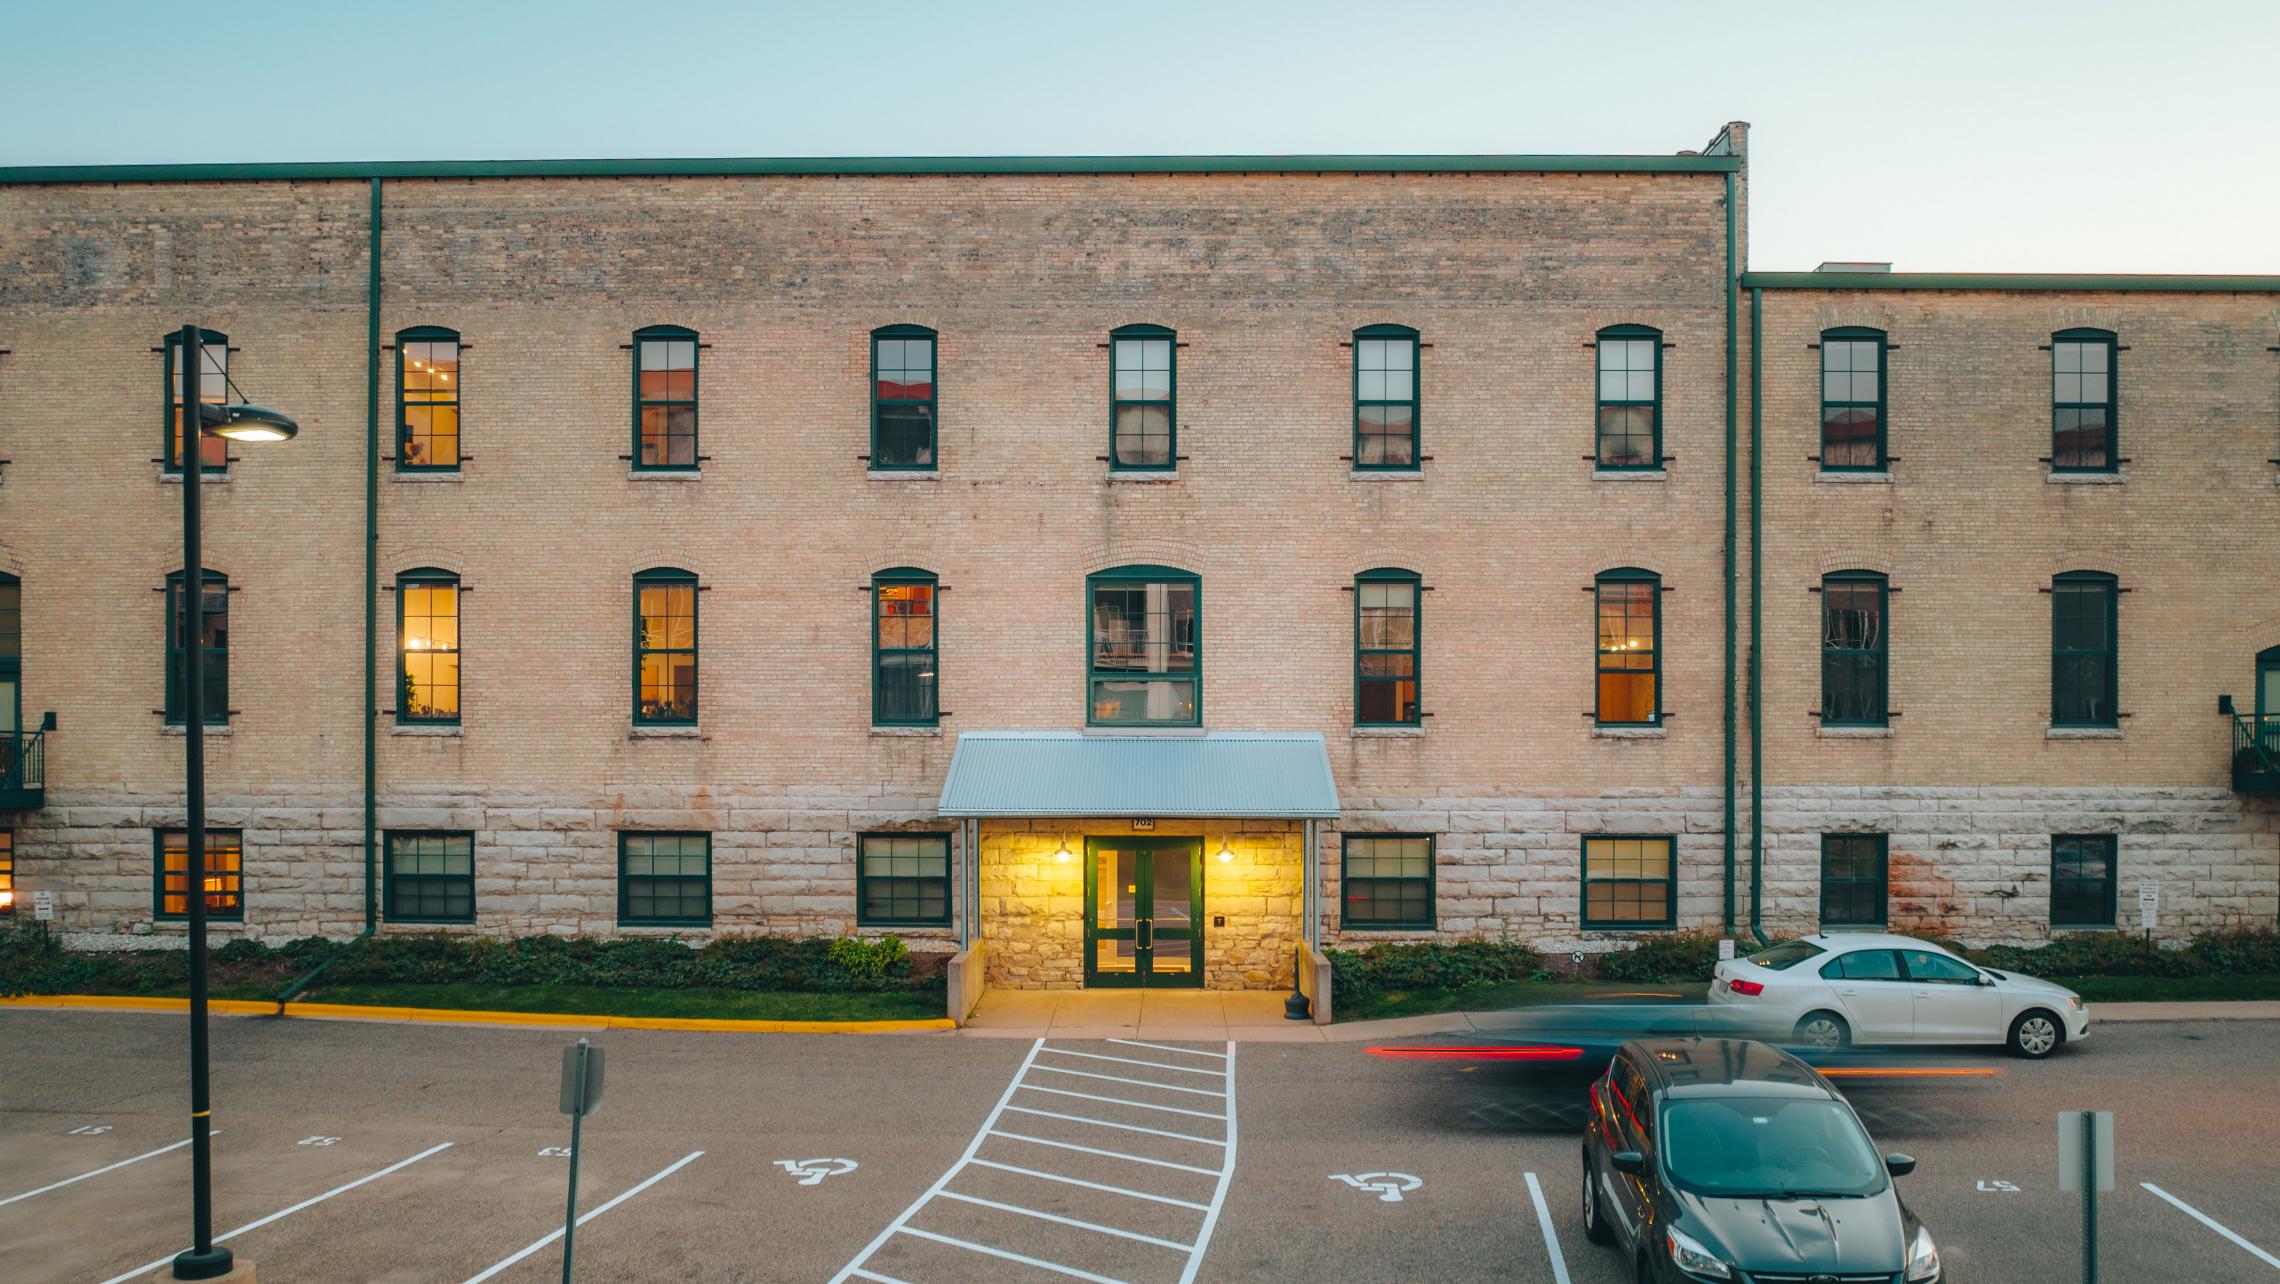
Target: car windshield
[1742, 1148]
[1784, 956]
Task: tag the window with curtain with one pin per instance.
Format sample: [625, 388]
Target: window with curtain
[1143, 398]
[1630, 397]
[1629, 605]
[1385, 397]
[664, 647]
[1146, 656]
[905, 679]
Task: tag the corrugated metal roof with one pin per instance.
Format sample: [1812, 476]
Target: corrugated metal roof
[1261, 774]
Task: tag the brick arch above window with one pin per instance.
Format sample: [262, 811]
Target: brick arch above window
[1147, 552]
[665, 557]
[1848, 316]
[1605, 560]
[899, 557]
[1837, 563]
[2082, 559]
[427, 557]
[11, 561]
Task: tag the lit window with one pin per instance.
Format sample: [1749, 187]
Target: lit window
[431, 878]
[665, 880]
[903, 431]
[1143, 418]
[1385, 648]
[1630, 648]
[427, 400]
[224, 875]
[1386, 881]
[427, 631]
[1630, 397]
[1629, 880]
[214, 628]
[904, 683]
[1385, 397]
[1852, 400]
[7, 871]
[903, 880]
[664, 647]
[2082, 401]
[213, 389]
[665, 398]
[1146, 653]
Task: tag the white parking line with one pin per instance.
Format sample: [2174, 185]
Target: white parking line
[555, 1234]
[1165, 1047]
[1103, 1123]
[875, 1276]
[1137, 1083]
[2210, 1222]
[1226, 1175]
[1110, 1154]
[1551, 1237]
[1080, 1224]
[1121, 1101]
[1055, 1267]
[1091, 1185]
[282, 1213]
[58, 1185]
[1131, 1061]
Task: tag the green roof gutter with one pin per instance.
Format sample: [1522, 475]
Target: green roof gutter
[372, 576]
[1757, 614]
[2021, 281]
[1728, 720]
[322, 171]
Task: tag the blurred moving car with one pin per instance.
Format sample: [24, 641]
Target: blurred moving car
[1726, 1159]
[1831, 990]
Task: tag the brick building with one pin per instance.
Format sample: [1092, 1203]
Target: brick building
[745, 546]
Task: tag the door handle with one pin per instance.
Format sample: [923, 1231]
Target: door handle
[1144, 934]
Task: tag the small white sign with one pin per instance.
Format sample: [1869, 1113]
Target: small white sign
[1143, 824]
[811, 1172]
[2149, 903]
[1725, 949]
[1388, 1187]
[43, 906]
[2070, 1141]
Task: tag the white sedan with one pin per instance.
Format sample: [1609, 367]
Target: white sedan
[1835, 989]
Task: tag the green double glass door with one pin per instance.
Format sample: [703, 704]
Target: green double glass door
[1141, 925]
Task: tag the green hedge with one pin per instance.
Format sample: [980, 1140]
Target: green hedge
[1400, 966]
[1664, 958]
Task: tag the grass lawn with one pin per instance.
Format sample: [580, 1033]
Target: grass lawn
[1508, 994]
[2170, 989]
[739, 1005]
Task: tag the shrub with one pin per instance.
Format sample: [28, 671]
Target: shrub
[1669, 956]
[1426, 965]
[868, 958]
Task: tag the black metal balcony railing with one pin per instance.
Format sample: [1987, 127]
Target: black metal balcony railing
[2256, 753]
[23, 770]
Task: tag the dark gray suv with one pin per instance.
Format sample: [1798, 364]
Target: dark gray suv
[1729, 1160]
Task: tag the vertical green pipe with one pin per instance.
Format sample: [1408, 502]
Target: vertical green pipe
[372, 576]
[1757, 613]
[1728, 720]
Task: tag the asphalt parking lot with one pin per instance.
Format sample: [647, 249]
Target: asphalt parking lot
[353, 1151]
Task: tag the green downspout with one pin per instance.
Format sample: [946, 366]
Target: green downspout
[1757, 615]
[1731, 289]
[372, 576]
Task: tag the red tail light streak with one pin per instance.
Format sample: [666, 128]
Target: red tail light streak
[1459, 1052]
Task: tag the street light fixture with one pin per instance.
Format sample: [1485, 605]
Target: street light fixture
[239, 422]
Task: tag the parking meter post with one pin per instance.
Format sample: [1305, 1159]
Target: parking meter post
[2089, 1197]
[577, 1117]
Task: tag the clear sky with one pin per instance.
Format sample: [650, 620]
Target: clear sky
[2089, 136]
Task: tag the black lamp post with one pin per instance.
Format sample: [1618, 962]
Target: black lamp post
[203, 1261]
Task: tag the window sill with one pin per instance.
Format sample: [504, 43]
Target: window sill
[1390, 733]
[212, 729]
[902, 474]
[448, 476]
[906, 731]
[1387, 474]
[1630, 927]
[624, 926]
[1853, 733]
[1169, 733]
[665, 733]
[2083, 733]
[1142, 476]
[1866, 477]
[2084, 479]
[204, 479]
[449, 730]
[664, 474]
[1629, 733]
[1630, 474]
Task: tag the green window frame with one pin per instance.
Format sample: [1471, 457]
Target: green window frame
[1388, 883]
[430, 876]
[1144, 640]
[7, 872]
[665, 648]
[2083, 378]
[905, 436]
[906, 619]
[11, 670]
[902, 880]
[1855, 880]
[1629, 387]
[1855, 650]
[170, 876]
[664, 879]
[1143, 399]
[427, 647]
[1388, 617]
[2083, 874]
[217, 647]
[213, 389]
[1628, 660]
[2085, 649]
[1852, 400]
[665, 399]
[1630, 881]
[1386, 377]
[427, 400]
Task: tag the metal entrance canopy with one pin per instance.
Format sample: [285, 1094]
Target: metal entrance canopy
[1252, 775]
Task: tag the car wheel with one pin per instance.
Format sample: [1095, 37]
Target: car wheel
[1595, 1227]
[1646, 1268]
[1823, 1031]
[2036, 1034]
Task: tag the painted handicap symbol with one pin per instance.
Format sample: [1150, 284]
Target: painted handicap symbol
[1388, 1186]
[811, 1172]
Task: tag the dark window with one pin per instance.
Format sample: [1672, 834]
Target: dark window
[1630, 397]
[7, 872]
[2082, 880]
[427, 642]
[215, 637]
[1865, 965]
[1854, 660]
[902, 398]
[1145, 644]
[1385, 397]
[11, 672]
[427, 400]
[213, 389]
[431, 878]
[665, 880]
[1143, 397]
[225, 873]
[1782, 957]
[1629, 880]
[1938, 969]
[1385, 648]
[664, 647]
[904, 680]
[903, 880]
[1387, 881]
[2082, 401]
[1852, 400]
[2084, 639]
[665, 397]
[1853, 874]
[1629, 648]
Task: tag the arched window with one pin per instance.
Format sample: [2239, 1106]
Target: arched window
[1386, 648]
[2084, 641]
[903, 428]
[2082, 401]
[905, 680]
[1385, 398]
[1144, 638]
[427, 647]
[1143, 424]
[214, 639]
[427, 400]
[664, 647]
[1630, 397]
[213, 389]
[665, 398]
[1629, 651]
[1854, 652]
[1852, 400]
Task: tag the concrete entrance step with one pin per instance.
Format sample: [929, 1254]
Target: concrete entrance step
[1188, 1015]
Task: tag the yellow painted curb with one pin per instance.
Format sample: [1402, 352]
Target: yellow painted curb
[140, 1003]
[353, 1011]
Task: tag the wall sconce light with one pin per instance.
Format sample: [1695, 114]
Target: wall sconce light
[1063, 856]
[1226, 855]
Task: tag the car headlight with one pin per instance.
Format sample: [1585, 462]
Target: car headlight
[1923, 1257]
[1691, 1256]
[2074, 1001]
